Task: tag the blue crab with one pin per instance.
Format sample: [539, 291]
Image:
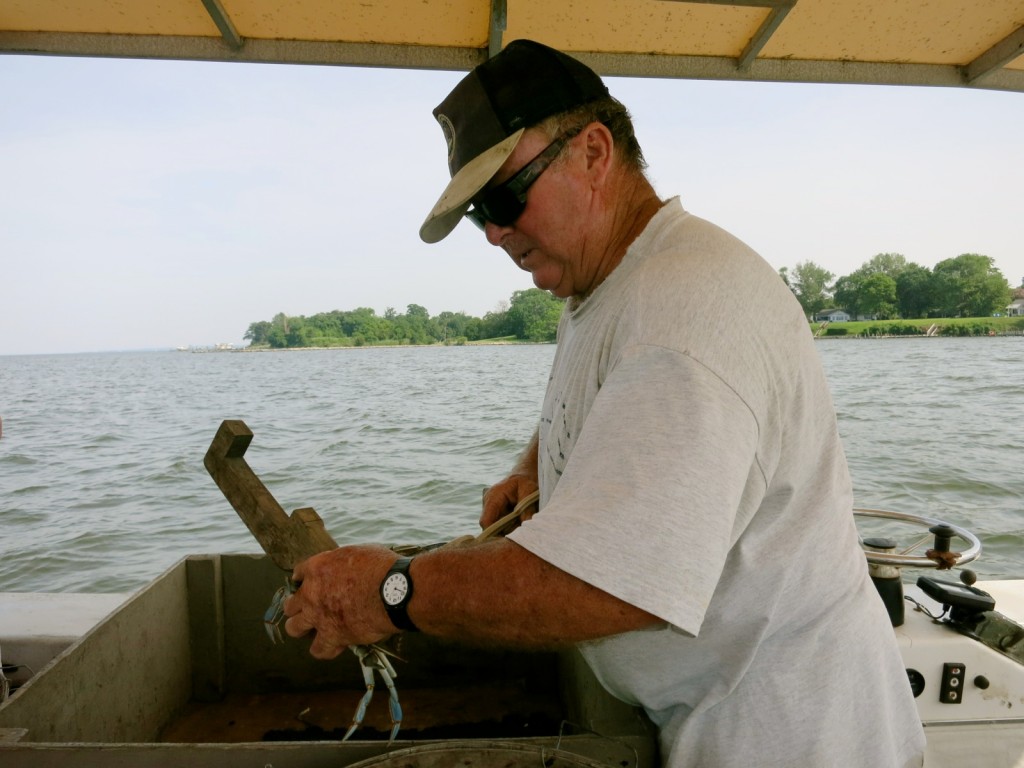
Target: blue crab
[372, 659]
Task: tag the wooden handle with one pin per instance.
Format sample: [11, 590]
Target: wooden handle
[288, 540]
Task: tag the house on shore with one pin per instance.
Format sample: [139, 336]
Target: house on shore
[832, 316]
[1016, 307]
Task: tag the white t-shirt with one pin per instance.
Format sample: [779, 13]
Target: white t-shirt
[690, 464]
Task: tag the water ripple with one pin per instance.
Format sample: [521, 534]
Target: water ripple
[102, 484]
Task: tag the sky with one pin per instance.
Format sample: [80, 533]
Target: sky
[152, 204]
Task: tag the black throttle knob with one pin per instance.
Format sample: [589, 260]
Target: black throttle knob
[943, 535]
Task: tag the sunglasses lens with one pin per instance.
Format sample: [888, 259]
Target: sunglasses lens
[499, 206]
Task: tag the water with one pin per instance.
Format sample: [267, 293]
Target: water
[931, 427]
[102, 485]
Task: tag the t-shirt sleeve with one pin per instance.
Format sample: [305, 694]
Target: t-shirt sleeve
[656, 487]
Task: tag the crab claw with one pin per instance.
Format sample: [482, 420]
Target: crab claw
[275, 612]
[374, 659]
[393, 705]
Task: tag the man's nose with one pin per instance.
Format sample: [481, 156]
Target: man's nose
[495, 234]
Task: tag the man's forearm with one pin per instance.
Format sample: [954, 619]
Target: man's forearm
[498, 593]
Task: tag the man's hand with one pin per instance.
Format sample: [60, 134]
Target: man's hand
[501, 498]
[338, 599]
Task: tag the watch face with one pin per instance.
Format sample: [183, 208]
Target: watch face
[394, 589]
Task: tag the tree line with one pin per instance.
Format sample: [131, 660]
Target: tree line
[530, 315]
[888, 287]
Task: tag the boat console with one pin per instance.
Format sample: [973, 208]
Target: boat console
[962, 644]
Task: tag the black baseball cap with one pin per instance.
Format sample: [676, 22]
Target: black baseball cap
[485, 115]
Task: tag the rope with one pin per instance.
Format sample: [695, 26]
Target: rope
[507, 523]
[500, 527]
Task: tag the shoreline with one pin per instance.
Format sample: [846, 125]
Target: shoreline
[860, 337]
[204, 350]
[857, 337]
[823, 337]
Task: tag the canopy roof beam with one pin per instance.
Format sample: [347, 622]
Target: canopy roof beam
[499, 22]
[996, 57]
[776, 15]
[761, 37]
[223, 21]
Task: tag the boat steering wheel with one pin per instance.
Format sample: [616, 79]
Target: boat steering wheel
[904, 559]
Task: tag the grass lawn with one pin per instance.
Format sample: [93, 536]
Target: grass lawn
[946, 326]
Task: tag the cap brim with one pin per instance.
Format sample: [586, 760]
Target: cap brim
[471, 178]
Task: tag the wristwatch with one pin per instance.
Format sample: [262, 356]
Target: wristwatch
[396, 592]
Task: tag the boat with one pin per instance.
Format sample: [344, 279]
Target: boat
[184, 669]
[181, 672]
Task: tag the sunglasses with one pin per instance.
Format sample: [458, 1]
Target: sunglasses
[503, 204]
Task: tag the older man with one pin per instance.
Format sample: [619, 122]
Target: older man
[695, 536]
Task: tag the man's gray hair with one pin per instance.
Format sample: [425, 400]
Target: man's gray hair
[614, 116]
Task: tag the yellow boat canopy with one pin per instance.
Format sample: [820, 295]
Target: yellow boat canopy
[956, 43]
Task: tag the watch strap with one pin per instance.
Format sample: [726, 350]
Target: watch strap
[399, 614]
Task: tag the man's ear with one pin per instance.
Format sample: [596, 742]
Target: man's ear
[600, 151]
